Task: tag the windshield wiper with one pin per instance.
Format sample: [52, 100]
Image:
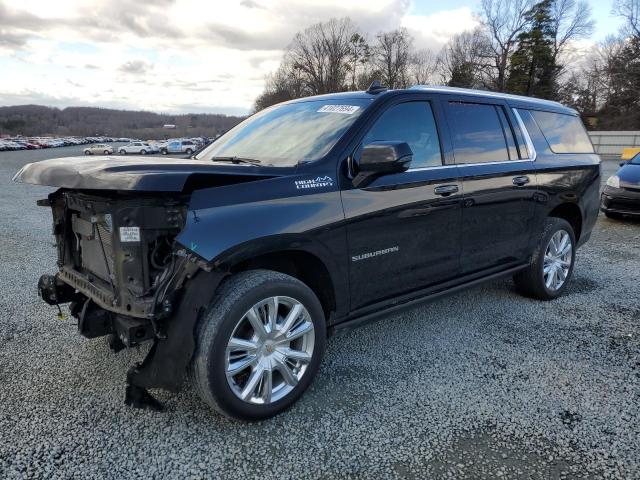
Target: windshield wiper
[236, 160]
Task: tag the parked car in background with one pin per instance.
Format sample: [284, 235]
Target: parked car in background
[621, 195]
[179, 146]
[28, 145]
[141, 148]
[312, 216]
[99, 149]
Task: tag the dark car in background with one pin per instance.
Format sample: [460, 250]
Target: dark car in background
[621, 195]
[312, 216]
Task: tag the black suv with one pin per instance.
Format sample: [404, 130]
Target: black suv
[312, 216]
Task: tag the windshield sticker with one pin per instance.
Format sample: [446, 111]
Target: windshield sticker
[317, 182]
[346, 109]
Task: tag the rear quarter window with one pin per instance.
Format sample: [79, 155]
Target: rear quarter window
[564, 133]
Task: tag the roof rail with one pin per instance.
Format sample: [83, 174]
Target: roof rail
[484, 93]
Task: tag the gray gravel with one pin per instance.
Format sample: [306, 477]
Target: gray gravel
[483, 384]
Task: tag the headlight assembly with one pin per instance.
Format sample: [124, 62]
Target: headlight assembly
[614, 181]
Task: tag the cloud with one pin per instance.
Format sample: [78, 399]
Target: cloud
[250, 4]
[205, 55]
[135, 67]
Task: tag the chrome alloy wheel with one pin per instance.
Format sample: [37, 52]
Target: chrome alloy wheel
[269, 350]
[557, 260]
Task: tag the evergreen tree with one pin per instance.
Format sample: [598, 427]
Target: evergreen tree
[533, 66]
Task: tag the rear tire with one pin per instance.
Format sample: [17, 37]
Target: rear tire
[188, 151]
[164, 151]
[249, 375]
[87, 152]
[123, 152]
[143, 152]
[548, 274]
[106, 152]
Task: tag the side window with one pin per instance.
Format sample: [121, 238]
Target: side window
[564, 133]
[414, 123]
[481, 133]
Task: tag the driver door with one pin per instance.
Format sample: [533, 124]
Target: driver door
[403, 229]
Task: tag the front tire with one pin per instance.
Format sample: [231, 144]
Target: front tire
[551, 264]
[123, 152]
[164, 151]
[188, 151]
[143, 152]
[87, 152]
[259, 345]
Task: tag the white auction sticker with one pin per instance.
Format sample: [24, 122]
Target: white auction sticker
[347, 109]
[129, 234]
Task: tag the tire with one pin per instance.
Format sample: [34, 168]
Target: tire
[188, 151]
[87, 152]
[106, 152]
[228, 316]
[143, 152]
[123, 152]
[614, 215]
[531, 281]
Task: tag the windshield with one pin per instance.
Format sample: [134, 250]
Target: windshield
[636, 159]
[286, 135]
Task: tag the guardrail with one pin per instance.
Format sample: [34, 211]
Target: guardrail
[612, 143]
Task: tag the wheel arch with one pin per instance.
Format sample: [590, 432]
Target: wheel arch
[307, 267]
[571, 213]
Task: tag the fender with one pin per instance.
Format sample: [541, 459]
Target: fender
[226, 225]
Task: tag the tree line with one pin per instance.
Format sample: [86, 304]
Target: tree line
[34, 120]
[525, 47]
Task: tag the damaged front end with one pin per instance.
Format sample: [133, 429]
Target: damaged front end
[124, 275]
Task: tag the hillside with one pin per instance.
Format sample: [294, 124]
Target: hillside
[33, 120]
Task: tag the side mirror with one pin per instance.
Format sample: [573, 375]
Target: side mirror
[380, 158]
[622, 164]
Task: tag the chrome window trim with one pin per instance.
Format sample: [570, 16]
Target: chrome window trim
[527, 139]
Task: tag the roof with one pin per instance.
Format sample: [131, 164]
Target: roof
[540, 102]
[514, 100]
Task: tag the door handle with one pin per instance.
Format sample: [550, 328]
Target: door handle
[520, 181]
[445, 190]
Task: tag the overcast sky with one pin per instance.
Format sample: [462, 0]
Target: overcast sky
[189, 55]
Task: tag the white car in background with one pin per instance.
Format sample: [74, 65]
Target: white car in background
[99, 149]
[141, 148]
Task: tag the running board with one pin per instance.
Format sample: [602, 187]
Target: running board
[358, 321]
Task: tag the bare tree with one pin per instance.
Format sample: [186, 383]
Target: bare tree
[630, 11]
[359, 56]
[422, 67]
[321, 53]
[391, 57]
[463, 60]
[571, 20]
[503, 21]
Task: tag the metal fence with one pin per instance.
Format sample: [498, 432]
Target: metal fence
[610, 144]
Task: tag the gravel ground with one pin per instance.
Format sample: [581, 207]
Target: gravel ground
[483, 384]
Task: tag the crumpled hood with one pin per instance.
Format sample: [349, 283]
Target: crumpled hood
[149, 174]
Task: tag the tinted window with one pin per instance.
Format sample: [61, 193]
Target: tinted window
[635, 160]
[478, 136]
[410, 122]
[564, 133]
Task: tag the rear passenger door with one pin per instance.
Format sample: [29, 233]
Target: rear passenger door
[498, 181]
